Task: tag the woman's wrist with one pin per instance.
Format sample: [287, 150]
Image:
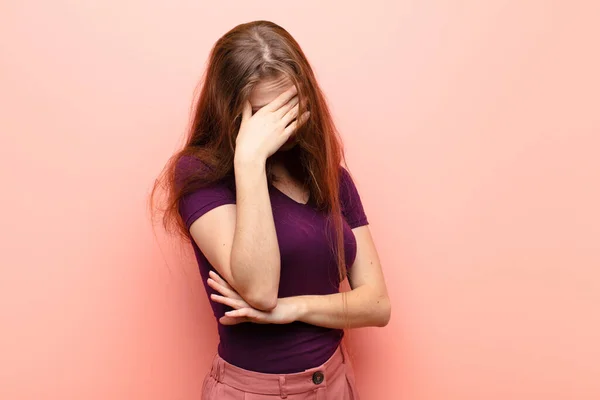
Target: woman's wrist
[243, 160]
[296, 305]
[249, 170]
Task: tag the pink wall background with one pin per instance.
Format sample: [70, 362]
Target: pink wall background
[473, 132]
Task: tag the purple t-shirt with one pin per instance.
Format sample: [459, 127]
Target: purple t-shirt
[308, 267]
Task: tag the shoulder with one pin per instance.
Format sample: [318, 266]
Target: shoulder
[201, 194]
[187, 166]
[345, 177]
[350, 201]
[198, 173]
[347, 187]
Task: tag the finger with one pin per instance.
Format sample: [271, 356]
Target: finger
[222, 289]
[250, 314]
[225, 320]
[233, 303]
[290, 115]
[239, 313]
[219, 280]
[294, 125]
[247, 312]
[288, 106]
[247, 110]
[282, 99]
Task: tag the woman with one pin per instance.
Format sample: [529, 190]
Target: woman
[275, 222]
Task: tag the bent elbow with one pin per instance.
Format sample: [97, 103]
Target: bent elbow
[262, 301]
[384, 313]
[258, 293]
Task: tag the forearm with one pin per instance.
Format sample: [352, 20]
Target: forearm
[255, 259]
[364, 307]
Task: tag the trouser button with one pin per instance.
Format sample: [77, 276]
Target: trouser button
[318, 378]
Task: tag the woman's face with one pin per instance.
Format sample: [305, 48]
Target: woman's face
[267, 90]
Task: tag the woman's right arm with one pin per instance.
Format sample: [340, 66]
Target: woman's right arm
[255, 259]
[240, 240]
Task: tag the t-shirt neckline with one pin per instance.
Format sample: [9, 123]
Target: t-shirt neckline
[290, 199]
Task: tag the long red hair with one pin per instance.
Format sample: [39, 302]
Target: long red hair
[243, 56]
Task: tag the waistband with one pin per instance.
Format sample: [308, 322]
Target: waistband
[280, 384]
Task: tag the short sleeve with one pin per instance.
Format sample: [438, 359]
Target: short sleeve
[202, 200]
[352, 207]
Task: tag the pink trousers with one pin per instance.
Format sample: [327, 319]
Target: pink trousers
[332, 380]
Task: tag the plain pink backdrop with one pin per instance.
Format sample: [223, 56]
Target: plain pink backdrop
[473, 132]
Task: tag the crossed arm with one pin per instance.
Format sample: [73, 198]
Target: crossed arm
[366, 304]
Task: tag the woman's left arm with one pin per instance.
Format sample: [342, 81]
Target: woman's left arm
[367, 304]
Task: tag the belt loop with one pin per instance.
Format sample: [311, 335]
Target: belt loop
[282, 388]
[214, 368]
[220, 370]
